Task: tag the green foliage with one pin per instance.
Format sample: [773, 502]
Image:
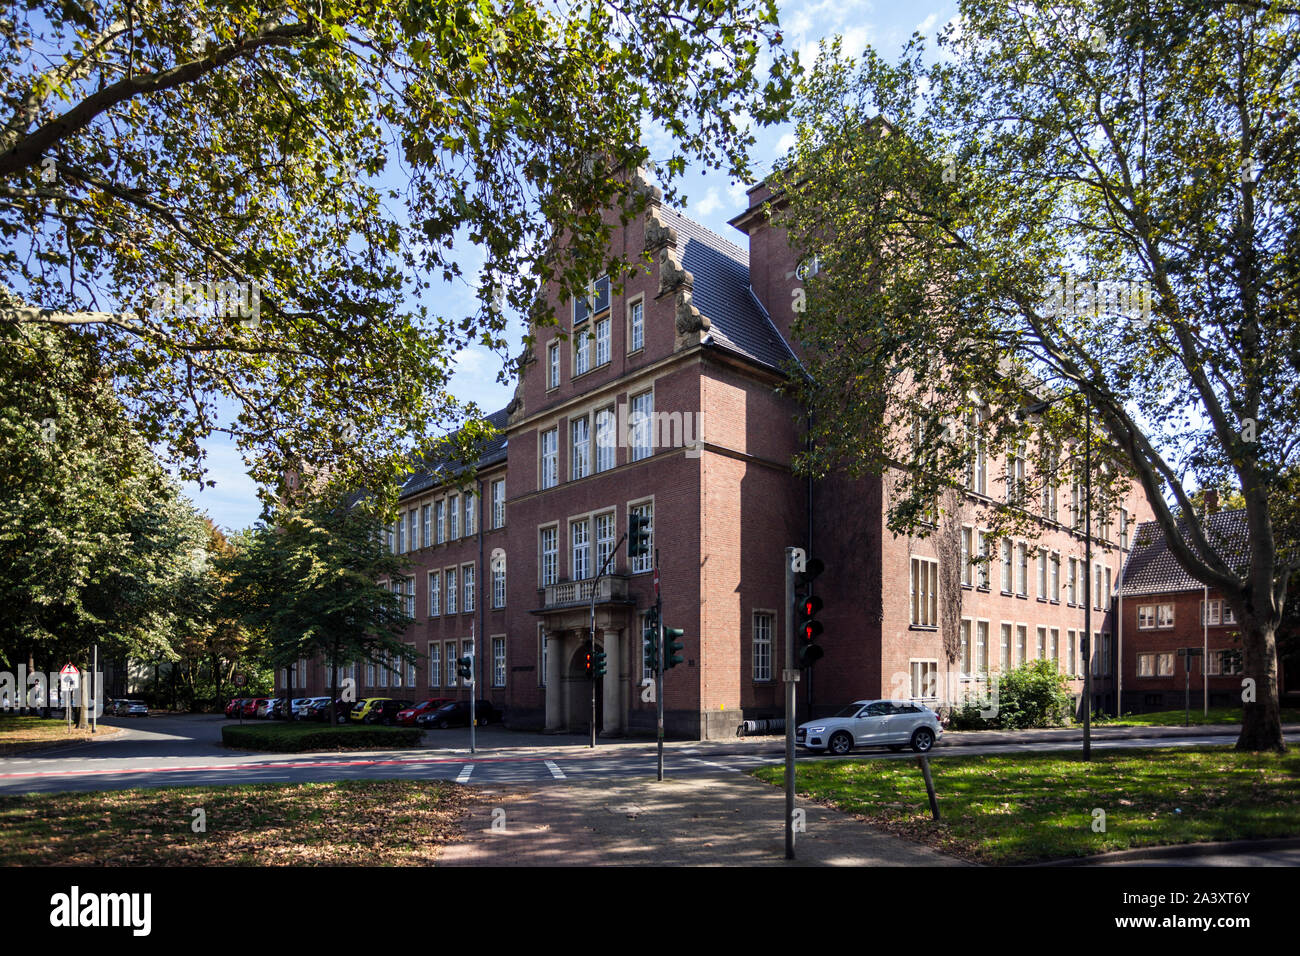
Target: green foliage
[295, 738]
[951, 200]
[340, 158]
[1035, 694]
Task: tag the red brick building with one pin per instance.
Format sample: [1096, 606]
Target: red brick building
[662, 400]
[1165, 610]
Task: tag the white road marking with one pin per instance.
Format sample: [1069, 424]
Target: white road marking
[465, 771]
[715, 766]
[556, 772]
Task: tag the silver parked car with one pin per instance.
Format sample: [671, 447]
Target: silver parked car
[873, 723]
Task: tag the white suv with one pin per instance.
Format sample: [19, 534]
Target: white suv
[873, 723]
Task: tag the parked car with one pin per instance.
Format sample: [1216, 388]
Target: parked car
[235, 707]
[873, 723]
[456, 714]
[363, 707]
[406, 718]
[385, 712]
[265, 707]
[283, 704]
[131, 708]
[302, 707]
[251, 704]
[321, 712]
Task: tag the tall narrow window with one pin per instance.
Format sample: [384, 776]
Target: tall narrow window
[1042, 574]
[1006, 566]
[581, 352]
[925, 592]
[1005, 647]
[470, 508]
[1056, 579]
[646, 561]
[604, 541]
[435, 664]
[553, 365]
[967, 535]
[549, 555]
[580, 533]
[439, 521]
[1022, 569]
[636, 326]
[964, 634]
[499, 584]
[467, 582]
[762, 647]
[642, 421]
[982, 647]
[602, 342]
[606, 439]
[453, 517]
[579, 448]
[982, 570]
[1022, 639]
[451, 663]
[550, 448]
[435, 593]
[498, 662]
[426, 537]
[451, 591]
[499, 503]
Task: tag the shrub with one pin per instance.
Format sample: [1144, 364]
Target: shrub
[295, 738]
[1035, 694]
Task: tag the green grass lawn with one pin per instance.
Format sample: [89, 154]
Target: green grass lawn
[1020, 808]
[301, 736]
[1174, 718]
[19, 733]
[358, 822]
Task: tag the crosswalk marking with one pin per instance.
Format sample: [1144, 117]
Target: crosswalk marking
[465, 771]
[556, 772]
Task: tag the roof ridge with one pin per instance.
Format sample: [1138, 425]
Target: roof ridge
[742, 253]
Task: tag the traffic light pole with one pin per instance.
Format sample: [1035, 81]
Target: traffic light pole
[659, 672]
[790, 676]
[591, 637]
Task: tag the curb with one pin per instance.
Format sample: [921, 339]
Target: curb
[1177, 851]
[44, 746]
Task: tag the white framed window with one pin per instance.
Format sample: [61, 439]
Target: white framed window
[439, 521]
[467, 582]
[967, 543]
[602, 342]
[412, 529]
[435, 593]
[1164, 615]
[579, 448]
[580, 539]
[401, 534]
[1220, 613]
[426, 529]
[381, 670]
[604, 540]
[1071, 655]
[451, 590]
[762, 645]
[1022, 642]
[1072, 584]
[550, 450]
[1015, 471]
[925, 679]
[409, 588]
[646, 561]
[982, 648]
[411, 677]
[453, 517]
[435, 664]
[549, 546]
[581, 352]
[1042, 574]
[1055, 584]
[1006, 565]
[499, 661]
[1040, 643]
[499, 585]
[499, 503]
[470, 508]
[1101, 654]
[1107, 595]
[595, 302]
[636, 326]
[606, 439]
[924, 583]
[977, 464]
[389, 529]
[642, 421]
[1022, 569]
[451, 664]
[553, 365]
[1155, 664]
[963, 632]
[370, 673]
[1004, 646]
[1225, 662]
[1146, 616]
[982, 570]
[1098, 595]
[1054, 646]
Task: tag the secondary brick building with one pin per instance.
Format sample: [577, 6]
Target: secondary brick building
[662, 399]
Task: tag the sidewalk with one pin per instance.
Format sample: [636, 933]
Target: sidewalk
[725, 820]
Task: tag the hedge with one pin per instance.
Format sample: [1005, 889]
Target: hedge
[295, 738]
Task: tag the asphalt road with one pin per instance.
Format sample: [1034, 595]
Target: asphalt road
[187, 751]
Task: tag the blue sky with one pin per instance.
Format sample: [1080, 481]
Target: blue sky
[711, 197]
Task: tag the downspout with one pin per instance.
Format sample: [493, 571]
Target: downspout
[479, 585]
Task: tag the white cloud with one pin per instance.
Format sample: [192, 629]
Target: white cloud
[708, 205]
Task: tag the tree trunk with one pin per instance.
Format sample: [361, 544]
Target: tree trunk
[1261, 724]
[87, 684]
[334, 686]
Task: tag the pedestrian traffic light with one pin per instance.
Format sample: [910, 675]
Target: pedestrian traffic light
[587, 667]
[806, 626]
[672, 646]
[600, 664]
[638, 535]
[465, 667]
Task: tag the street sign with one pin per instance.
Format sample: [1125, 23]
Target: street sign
[69, 671]
[240, 680]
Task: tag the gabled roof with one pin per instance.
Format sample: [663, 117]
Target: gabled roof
[722, 293]
[426, 474]
[1152, 569]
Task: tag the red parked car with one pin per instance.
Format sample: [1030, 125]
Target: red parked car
[233, 708]
[251, 705]
[406, 718]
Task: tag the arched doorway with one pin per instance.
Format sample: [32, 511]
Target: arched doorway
[579, 692]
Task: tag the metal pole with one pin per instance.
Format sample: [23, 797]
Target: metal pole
[1119, 631]
[1205, 651]
[97, 690]
[789, 676]
[473, 688]
[1089, 584]
[591, 649]
[1187, 689]
[659, 671]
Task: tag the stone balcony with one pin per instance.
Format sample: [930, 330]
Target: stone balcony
[612, 589]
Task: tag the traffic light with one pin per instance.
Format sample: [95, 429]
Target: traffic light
[465, 667]
[600, 664]
[672, 646]
[638, 535]
[806, 626]
[650, 634]
[587, 667]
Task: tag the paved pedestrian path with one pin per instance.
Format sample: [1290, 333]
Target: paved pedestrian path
[718, 819]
